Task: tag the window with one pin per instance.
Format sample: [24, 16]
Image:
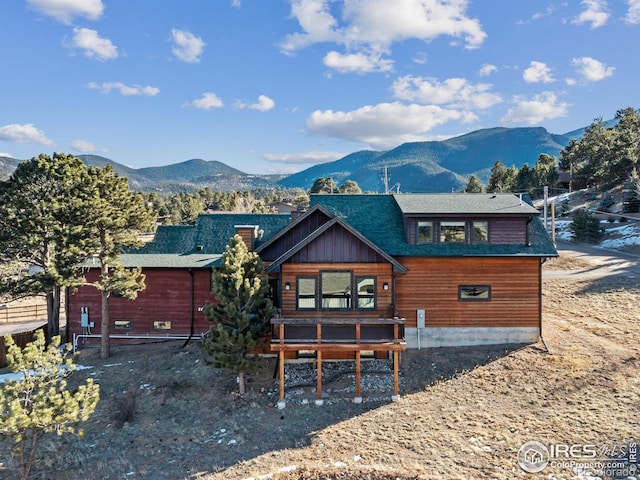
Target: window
[366, 291]
[162, 325]
[424, 232]
[336, 290]
[474, 293]
[122, 324]
[306, 293]
[452, 232]
[480, 232]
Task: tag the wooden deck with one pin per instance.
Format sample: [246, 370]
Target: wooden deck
[337, 334]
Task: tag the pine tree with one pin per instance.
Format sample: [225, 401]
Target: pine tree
[39, 400]
[42, 230]
[242, 311]
[585, 227]
[117, 217]
[474, 185]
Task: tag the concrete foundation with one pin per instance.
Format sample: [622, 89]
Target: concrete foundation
[468, 336]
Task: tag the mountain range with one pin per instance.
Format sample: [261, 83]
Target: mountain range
[416, 167]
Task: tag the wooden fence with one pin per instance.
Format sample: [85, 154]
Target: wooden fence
[26, 312]
[21, 339]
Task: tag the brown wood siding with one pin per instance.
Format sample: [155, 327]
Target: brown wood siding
[248, 235]
[432, 284]
[294, 236]
[337, 245]
[382, 272]
[167, 297]
[508, 231]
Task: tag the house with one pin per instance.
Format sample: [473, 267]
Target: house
[356, 275]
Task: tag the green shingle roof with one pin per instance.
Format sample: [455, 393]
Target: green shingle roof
[380, 219]
[200, 245]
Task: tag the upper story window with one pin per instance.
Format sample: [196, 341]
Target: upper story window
[424, 233]
[452, 232]
[480, 232]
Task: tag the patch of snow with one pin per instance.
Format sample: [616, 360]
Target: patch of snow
[7, 377]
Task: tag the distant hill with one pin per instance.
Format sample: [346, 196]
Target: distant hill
[188, 175]
[7, 166]
[437, 166]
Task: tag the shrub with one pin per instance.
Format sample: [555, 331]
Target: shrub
[585, 228]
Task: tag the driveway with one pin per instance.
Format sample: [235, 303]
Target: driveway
[602, 262]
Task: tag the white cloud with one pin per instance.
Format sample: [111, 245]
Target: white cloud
[592, 70]
[384, 125]
[487, 69]
[357, 62]
[264, 104]
[187, 47]
[26, 133]
[375, 25]
[538, 72]
[633, 13]
[541, 107]
[456, 92]
[83, 146]
[304, 158]
[65, 10]
[92, 45]
[236, 3]
[207, 101]
[595, 13]
[125, 90]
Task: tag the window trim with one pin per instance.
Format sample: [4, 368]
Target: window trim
[477, 298]
[315, 293]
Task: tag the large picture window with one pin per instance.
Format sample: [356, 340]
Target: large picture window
[306, 298]
[452, 232]
[336, 290]
[366, 291]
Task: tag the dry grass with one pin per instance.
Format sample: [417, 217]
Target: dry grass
[464, 412]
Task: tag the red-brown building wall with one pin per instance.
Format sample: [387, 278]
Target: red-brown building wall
[167, 297]
[432, 284]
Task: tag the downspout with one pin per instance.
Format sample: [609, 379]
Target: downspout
[542, 260]
[192, 317]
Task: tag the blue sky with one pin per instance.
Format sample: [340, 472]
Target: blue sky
[271, 86]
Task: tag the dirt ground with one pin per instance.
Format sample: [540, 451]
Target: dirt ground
[464, 412]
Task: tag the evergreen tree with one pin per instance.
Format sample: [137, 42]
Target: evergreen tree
[544, 171]
[42, 230]
[525, 179]
[39, 401]
[502, 179]
[324, 185]
[474, 185]
[241, 314]
[350, 186]
[117, 217]
[585, 227]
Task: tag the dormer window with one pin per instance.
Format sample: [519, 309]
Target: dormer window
[424, 232]
[452, 232]
[480, 232]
